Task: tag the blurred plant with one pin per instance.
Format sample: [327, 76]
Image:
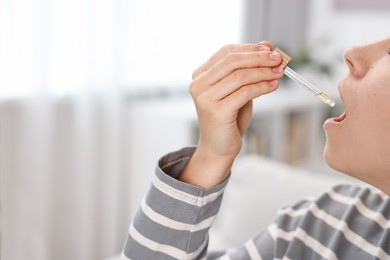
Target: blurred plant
[303, 58]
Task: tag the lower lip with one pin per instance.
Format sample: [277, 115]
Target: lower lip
[334, 121]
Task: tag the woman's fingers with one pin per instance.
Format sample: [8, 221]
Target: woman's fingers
[217, 110]
[238, 69]
[266, 43]
[242, 60]
[244, 77]
[232, 48]
[238, 99]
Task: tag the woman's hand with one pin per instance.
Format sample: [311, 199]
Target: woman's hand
[223, 89]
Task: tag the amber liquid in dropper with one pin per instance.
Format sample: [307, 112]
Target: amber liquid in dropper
[325, 98]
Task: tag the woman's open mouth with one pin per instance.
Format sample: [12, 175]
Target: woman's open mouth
[340, 118]
[335, 120]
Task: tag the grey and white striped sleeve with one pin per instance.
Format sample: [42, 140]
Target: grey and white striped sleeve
[346, 222]
[174, 218]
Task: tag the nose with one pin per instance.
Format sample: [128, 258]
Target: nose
[357, 60]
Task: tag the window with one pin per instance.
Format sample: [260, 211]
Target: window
[68, 45]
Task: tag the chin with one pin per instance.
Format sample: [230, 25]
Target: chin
[327, 156]
[345, 165]
[333, 159]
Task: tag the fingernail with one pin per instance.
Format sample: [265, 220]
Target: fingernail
[274, 56]
[278, 69]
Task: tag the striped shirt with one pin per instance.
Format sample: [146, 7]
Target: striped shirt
[346, 222]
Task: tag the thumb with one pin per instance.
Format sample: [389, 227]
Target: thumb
[244, 117]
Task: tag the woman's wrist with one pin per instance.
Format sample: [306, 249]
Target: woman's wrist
[206, 170]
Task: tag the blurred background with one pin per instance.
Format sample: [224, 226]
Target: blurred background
[92, 93]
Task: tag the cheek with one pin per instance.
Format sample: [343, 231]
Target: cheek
[373, 116]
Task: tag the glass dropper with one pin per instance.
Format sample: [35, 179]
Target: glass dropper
[318, 93]
[302, 81]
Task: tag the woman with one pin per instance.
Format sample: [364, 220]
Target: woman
[346, 222]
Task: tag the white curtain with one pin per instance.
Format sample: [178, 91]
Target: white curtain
[68, 187]
[64, 184]
[65, 187]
